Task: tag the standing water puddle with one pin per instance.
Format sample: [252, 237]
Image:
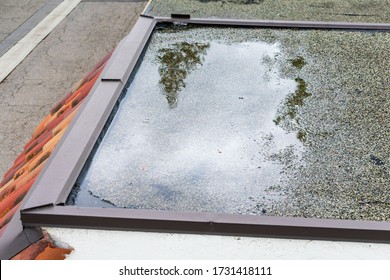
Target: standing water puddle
[251, 121]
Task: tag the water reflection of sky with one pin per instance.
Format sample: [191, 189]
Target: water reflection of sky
[212, 152]
[254, 121]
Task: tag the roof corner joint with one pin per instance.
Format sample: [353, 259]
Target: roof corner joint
[180, 16]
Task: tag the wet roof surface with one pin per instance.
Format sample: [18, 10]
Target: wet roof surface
[252, 121]
[308, 10]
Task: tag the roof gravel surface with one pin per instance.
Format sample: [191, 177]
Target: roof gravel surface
[308, 10]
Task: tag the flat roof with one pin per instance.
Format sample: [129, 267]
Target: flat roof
[45, 207]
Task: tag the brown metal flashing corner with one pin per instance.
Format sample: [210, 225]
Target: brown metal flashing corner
[17, 237]
[73, 152]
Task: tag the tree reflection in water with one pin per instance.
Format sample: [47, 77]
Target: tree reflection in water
[176, 63]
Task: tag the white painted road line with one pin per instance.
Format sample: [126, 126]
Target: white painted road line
[147, 7]
[14, 37]
[14, 56]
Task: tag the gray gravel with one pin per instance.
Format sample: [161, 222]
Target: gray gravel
[316, 10]
[316, 134]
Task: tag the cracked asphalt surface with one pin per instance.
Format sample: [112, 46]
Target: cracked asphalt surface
[14, 12]
[90, 31]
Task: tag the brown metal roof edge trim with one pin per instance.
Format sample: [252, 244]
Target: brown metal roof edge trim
[280, 23]
[128, 51]
[16, 238]
[72, 153]
[208, 223]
